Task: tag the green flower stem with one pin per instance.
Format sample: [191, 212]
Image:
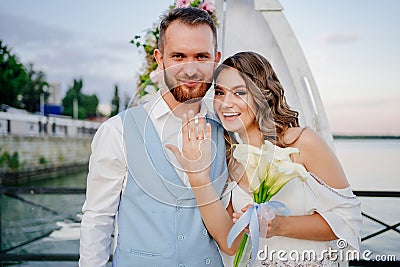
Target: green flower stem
[259, 197]
[239, 252]
[255, 197]
[260, 191]
[265, 195]
[262, 195]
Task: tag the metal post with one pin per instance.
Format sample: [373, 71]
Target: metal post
[75, 108]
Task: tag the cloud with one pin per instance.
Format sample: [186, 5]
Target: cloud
[64, 55]
[26, 32]
[376, 115]
[375, 100]
[340, 38]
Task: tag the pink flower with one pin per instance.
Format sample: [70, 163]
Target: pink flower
[208, 5]
[182, 3]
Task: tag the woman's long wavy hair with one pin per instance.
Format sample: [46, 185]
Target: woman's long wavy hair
[273, 114]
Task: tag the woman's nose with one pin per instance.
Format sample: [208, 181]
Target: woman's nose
[227, 101]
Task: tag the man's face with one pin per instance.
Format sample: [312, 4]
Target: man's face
[188, 60]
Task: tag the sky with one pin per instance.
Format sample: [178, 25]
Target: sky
[350, 45]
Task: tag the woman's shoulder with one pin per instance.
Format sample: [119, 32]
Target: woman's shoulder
[298, 136]
[316, 155]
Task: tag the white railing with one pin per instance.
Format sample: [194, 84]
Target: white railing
[22, 124]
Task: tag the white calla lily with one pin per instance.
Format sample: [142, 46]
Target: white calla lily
[270, 167]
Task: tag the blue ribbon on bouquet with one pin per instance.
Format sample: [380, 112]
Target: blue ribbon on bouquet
[250, 218]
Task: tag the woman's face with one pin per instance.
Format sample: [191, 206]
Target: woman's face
[234, 103]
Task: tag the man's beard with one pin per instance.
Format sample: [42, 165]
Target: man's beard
[187, 95]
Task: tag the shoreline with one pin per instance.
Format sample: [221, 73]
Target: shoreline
[31, 174]
[357, 136]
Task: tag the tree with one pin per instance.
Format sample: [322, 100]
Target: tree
[115, 102]
[74, 92]
[87, 104]
[90, 103]
[13, 76]
[33, 89]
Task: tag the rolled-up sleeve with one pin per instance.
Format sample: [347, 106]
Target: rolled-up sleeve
[105, 181]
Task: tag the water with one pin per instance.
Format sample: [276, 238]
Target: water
[373, 164]
[22, 222]
[369, 165]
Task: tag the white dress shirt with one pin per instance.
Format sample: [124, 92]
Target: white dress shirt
[107, 177]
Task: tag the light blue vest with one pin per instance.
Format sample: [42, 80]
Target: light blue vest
[159, 223]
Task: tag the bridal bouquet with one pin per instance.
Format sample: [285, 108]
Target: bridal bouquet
[268, 169]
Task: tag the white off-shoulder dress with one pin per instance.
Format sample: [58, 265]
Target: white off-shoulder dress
[339, 207]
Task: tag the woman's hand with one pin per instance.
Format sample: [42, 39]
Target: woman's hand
[195, 157]
[273, 226]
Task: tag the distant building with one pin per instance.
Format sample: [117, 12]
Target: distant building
[53, 105]
[55, 94]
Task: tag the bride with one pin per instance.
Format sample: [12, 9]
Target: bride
[325, 215]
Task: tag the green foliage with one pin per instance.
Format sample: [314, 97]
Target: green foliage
[11, 161]
[13, 77]
[115, 102]
[195, 3]
[90, 102]
[87, 104]
[61, 157]
[20, 87]
[33, 89]
[42, 160]
[2, 158]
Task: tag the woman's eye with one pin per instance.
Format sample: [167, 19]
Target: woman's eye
[240, 93]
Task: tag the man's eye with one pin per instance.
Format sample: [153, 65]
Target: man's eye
[177, 56]
[202, 57]
[219, 92]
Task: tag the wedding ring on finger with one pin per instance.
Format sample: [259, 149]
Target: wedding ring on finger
[200, 138]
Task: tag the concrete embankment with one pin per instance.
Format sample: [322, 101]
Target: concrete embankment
[29, 158]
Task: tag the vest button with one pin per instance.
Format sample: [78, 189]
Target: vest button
[208, 261]
[181, 265]
[204, 232]
[178, 208]
[180, 237]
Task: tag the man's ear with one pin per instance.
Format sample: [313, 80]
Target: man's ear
[217, 57]
[159, 58]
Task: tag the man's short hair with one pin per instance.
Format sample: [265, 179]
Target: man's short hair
[190, 16]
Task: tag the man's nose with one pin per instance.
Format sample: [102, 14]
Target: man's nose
[190, 69]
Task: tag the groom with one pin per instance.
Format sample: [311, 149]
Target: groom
[130, 171]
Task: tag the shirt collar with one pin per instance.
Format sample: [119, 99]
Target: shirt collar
[158, 107]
